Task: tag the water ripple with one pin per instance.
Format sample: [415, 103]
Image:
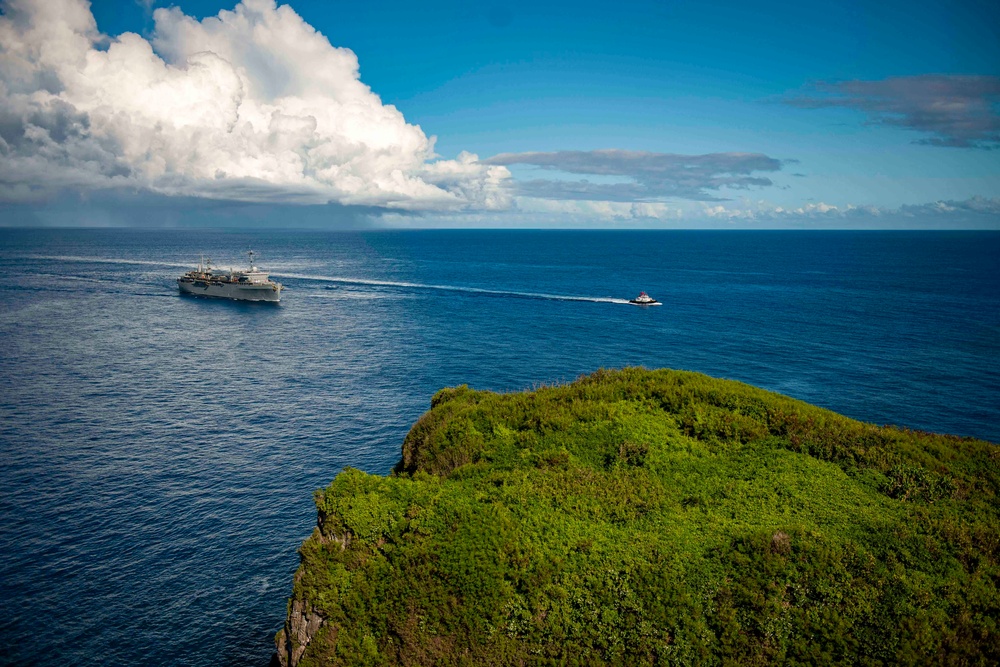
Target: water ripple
[160, 453]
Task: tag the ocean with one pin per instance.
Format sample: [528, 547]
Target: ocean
[159, 452]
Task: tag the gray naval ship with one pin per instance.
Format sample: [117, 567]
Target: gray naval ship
[250, 285]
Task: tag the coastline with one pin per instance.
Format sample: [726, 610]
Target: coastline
[641, 482]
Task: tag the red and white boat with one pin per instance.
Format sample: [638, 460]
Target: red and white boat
[644, 300]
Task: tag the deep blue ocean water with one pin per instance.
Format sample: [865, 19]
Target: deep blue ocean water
[159, 452]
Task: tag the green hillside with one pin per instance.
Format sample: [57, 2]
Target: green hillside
[653, 517]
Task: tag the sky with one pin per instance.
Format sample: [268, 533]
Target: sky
[329, 114]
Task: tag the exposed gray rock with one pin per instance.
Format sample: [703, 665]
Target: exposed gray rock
[301, 626]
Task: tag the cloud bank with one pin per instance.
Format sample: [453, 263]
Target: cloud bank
[975, 213]
[957, 111]
[650, 176]
[252, 105]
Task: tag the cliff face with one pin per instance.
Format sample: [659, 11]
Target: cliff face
[300, 627]
[648, 517]
[303, 621]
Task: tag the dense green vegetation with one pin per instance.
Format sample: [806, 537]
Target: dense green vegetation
[657, 517]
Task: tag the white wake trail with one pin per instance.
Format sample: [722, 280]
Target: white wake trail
[450, 288]
[105, 260]
[355, 281]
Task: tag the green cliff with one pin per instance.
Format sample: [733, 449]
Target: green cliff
[653, 517]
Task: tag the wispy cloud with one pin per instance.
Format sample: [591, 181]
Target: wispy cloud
[960, 111]
[973, 213]
[251, 105]
[984, 206]
[977, 213]
[650, 176]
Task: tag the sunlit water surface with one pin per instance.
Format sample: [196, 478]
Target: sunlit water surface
[159, 452]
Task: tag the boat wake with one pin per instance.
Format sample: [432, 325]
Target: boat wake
[339, 280]
[105, 260]
[452, 288]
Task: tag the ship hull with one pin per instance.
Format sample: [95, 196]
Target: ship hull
[234, 292]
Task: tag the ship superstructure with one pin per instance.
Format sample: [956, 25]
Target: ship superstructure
[250, 285]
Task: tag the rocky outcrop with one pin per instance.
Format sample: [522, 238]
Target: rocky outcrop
[303, 621]
[301, 626]
[642, 517]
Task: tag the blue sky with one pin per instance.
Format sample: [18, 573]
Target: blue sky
[874, 114]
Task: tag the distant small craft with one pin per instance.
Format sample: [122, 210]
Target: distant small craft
[250, 285]
[644, 300]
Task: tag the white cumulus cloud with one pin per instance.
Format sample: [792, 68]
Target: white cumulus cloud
[250, 105]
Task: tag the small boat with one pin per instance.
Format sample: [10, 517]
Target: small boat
[644, 300]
